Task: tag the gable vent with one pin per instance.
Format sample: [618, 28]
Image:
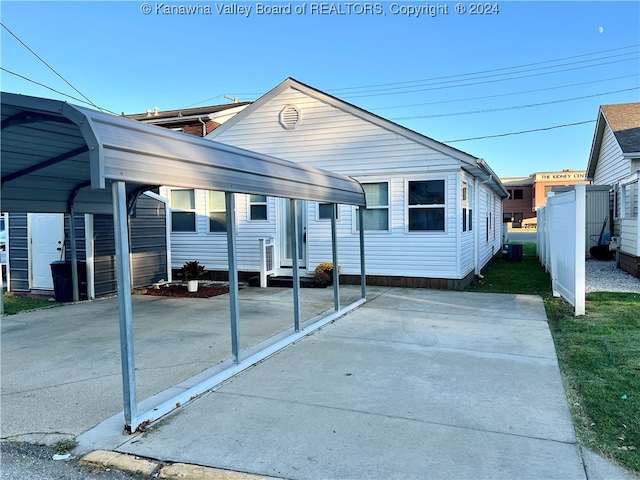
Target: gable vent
[290, 117]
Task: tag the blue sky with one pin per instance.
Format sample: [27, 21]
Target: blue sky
[451, 76]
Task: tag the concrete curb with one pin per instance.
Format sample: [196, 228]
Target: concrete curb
[183, 471]
[119, 461]
[176, 471]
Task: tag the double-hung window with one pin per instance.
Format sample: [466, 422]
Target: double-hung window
[376, 215]
[426, 204]
[183, 210]
[217, 212]
[257, 207]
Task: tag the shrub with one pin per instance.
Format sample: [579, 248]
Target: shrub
[324, 274]
[192, 270]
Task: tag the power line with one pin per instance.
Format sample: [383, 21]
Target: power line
[50, 67]
[336, 91]
[522, 132]
[516, 107]
[520, 71]
[505, 94]
[53, 89]
[493, 70]
[490, 81]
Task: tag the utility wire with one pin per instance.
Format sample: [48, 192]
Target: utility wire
[345, 90]
[50, 67]
[493, 70]
[505, 94]
[54, 90]
[515, 107]
[512, 73]
[489, 81]
[519, 133]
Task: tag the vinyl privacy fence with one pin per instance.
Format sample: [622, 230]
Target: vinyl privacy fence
[561, 240]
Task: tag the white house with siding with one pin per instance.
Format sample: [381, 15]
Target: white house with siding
[615, 161]
[433, 217]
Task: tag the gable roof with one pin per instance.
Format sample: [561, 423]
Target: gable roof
[54, 153]
[624, 121]
[474, 165]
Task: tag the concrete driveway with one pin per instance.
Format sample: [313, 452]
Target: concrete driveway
[413, 384]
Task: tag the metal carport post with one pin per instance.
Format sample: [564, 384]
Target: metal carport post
[125, 313]
[53, 151]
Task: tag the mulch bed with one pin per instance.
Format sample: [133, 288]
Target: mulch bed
[180, 291]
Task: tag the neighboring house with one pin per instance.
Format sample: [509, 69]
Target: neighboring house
[615, 161]
[37, 239]
[194, 121]
[433, 217]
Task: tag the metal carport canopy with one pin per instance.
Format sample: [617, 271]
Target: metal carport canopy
[52, 152]
[51, 148]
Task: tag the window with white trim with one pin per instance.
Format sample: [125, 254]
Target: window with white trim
[467, 212]
[216, 204]
[426, 204]
[183, 210]
[376, 215]
[257, 207]
[470, 193]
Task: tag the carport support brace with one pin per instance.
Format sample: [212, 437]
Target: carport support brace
[119, 198]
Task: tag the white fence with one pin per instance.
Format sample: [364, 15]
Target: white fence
[561, 240]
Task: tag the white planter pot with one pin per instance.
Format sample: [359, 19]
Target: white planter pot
[192, 285]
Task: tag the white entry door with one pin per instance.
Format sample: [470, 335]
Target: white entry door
[286, 257]
[47, 237]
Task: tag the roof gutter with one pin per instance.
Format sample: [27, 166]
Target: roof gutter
[186, 118]
[482, 165]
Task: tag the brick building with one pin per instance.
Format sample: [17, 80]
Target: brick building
[527, 194]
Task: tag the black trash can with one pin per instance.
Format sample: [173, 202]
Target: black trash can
[62, 282]
[514, 252]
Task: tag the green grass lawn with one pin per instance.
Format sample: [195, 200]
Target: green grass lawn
[598, 353]
[15, 303]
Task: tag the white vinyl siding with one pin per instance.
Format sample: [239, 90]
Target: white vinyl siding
[611, 166]
[211, 250]
[334, 139]
[466, 238]
[421, 254]
[629, 241]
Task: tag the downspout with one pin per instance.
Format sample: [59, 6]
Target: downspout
[204, 127]
[476, 250]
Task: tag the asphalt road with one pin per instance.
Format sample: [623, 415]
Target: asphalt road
[34, 462]
[523, 237]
